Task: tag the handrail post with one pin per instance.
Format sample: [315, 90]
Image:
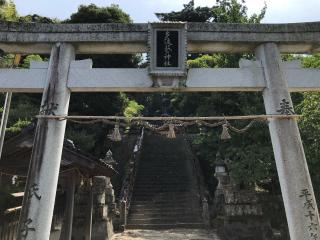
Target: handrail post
[123, 214]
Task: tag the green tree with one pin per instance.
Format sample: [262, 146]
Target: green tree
[8, 11]
[37, 19]
[189, 14]
[225, 11]
[24, 106]
[101, 103]
[248, 164]
[309, 125]
[95, 14]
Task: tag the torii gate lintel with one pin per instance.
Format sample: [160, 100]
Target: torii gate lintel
[62, 76]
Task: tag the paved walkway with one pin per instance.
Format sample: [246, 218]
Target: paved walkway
[173, 234]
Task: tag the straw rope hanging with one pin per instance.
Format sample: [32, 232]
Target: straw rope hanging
[169, 125]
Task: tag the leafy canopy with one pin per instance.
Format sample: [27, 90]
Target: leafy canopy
[225, 11]
[95, 14]
[251, 153]
[8, 11]
[309, 125]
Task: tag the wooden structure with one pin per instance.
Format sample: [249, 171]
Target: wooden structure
[62, 76]
[15, 161]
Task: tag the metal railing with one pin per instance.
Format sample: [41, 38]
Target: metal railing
[201, 183]
[128, 183]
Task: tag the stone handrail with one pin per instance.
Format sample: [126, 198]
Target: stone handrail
[128, 183]
[201, 183]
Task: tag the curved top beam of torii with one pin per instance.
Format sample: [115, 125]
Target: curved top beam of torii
[133, 38]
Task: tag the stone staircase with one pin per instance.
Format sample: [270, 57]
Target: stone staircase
[166, 194]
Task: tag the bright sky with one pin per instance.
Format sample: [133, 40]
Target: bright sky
[143, 10]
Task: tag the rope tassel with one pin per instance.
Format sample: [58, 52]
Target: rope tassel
[116, 136]
[171, 133]
[225, 135]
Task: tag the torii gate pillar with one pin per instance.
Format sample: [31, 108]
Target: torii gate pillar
[297, 191]
[40, 192]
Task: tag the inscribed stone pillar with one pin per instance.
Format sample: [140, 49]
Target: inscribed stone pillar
[40, 192]
[297, 191]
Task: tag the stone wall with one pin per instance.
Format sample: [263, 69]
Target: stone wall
[240, 211]
[243, 217]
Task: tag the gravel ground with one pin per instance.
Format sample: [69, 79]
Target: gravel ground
[172, 234]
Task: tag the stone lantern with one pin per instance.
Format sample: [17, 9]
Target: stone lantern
[108, 159]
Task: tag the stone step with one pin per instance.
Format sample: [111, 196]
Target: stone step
[166, 215]
[164, 162]
[148, 199]
[164, 189]
[164, 183]
[166, 194]
[155, 172]
[171, 218]
[166, 226]
[164, 220]
[164, 205]
[169, 210]
[186, 185]
[169, 191]
[160, 170]
[166, 234]
[156, 196]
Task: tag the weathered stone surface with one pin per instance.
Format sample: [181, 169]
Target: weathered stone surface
[175, 234]
[249, 77]
[80, 210]
[247, 229]
[103, 199]
[243, 210]
[41, 186]
[204, 37]
[241, 197]
[294, 177]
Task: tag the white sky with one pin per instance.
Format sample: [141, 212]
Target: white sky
[143, 10]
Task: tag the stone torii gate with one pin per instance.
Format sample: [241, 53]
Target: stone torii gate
[168, 44]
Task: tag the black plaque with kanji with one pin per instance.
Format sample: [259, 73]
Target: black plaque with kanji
[167, 43]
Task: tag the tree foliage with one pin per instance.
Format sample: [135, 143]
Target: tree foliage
[35, 18]
[95, 14]
[309, 125]
[232, 11]
[100, 103]
[188, 14]
[24, 107]
[8, 11]
[247, 163]
[225, 11]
